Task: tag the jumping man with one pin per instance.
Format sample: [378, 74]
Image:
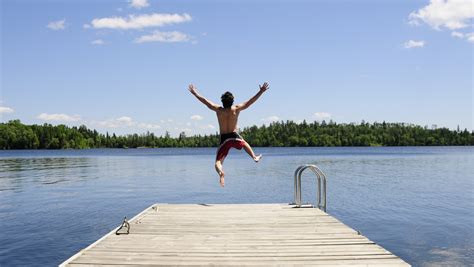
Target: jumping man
[227, 115]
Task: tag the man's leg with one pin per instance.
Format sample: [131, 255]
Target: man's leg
[249, 151]
[219, 171]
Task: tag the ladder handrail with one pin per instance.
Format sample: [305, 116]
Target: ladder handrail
[295, 181]
[323, 188]
[321, 191]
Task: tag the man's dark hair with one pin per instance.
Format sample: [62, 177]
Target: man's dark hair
[227, 99]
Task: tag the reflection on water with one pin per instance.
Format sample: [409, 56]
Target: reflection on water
[449, 257]
[18, 172]
[416, 202]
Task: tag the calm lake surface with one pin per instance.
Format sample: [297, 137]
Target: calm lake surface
[417, 202]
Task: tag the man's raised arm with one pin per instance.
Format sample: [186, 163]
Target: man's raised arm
[252, 100]
[206, 102]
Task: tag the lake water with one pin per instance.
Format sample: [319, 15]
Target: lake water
[417, 202]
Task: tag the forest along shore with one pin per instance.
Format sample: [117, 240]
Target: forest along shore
[16, 135]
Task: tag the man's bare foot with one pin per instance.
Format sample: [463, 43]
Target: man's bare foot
[257, 158]
[221, 180]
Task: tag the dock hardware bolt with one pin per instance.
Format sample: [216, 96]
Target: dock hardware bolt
[321, 191]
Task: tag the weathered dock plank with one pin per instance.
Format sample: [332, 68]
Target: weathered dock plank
[234, 234]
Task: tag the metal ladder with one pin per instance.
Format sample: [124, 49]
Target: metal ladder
[321, 189]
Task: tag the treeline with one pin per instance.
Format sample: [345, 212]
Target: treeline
[15, 135]
[364, 134]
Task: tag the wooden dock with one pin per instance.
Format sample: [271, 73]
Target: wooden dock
[234, 234]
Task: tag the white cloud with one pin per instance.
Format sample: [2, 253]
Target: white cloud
[107, 124]
[322, 115]
[450, 14]
[470, 37]
[98, 42]
[140, 21]
[413, 44]
[166, 37]
[149, 126]
[138, 4]
[58, 117]
[457, 34]
[57, 25]
[116, 123]
[196, 117]
[271, 119]
[126, 121]
[5, 110]
[207, 127]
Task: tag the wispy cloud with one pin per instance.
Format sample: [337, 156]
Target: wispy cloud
[207, 127]
[470, 37]
[450, 14]
[196, 117]
[148, 126]
[186, 130]
[58, 117]
[414, 44]
[322, 115]
[57, 25]
[166, 37]
[98, 42]
[457, 34]
[125, 121]
[271, 119]
[138, 4]
[4, 110]
[134, 22]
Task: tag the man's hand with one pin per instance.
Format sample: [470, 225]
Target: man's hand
[264, 87]
[203, 100]
[192, 89]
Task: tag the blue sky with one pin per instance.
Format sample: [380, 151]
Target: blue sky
[124, 66]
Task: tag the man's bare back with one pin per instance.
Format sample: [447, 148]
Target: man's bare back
[227, 116]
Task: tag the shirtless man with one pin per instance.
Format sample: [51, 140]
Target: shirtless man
[227, 115]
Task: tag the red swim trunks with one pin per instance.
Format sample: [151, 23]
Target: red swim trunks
[228, 141]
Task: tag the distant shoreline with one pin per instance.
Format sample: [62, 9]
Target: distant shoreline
[212, 147]
[16, 135]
